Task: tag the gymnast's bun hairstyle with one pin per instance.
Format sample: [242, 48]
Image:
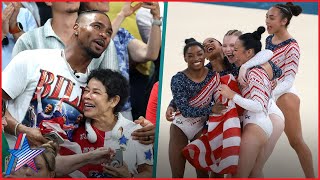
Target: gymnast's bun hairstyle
[295, 9]
[252, 40]
[191, 42]
[288, 10]
[257, 34]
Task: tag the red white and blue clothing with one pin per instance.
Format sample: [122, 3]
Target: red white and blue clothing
[255, 100]
[193, 101]
[286, 56]
[134, 153]
[218, 148]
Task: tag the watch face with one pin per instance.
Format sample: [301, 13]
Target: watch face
[20, 26]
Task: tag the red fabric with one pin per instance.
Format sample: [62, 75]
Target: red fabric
[80, 137]
[234, 86]
[151, 112]
[57, 120]
[218, 149]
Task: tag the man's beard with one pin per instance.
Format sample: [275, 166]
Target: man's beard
[75, 10]
[93, 54]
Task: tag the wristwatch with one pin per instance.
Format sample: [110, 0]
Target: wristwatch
[156, 22]
[5, 41]
[17, 28]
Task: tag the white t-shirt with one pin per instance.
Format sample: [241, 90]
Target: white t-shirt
[45, 71]
[134, 153]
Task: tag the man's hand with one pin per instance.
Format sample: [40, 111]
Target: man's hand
[33, 134]
[146, 134]
[170, 113]
[127, 9]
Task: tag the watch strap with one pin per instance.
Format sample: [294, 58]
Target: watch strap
[17, 28]
[157, 22]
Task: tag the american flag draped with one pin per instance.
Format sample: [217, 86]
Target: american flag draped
[218, 149]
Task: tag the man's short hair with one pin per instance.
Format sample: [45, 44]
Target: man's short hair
[82, 13]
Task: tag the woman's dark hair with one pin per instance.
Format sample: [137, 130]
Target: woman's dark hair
[252, 40]
[288, 10]
[191, 42]
[52, 107]
[115, 84]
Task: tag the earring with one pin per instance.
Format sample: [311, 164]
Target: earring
[76, 33]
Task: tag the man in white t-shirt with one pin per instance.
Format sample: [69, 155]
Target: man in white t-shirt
[55, 74]
[56, 33]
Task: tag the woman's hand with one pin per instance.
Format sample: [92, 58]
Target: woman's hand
[218, 108]
[242, 76]
[122, 172]
[127, 9]
[13, 18]
[101, 155]
[225, 91]
[170, 113]
[6, 16]
[154, 9]
[145, 135]
[274, 84]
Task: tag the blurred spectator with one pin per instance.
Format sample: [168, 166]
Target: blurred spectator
[33, 8]
[44, 12]
[5, 146]
[56, 33]
[15, 21]
[144, 21]
[128, 46]
[151, 112]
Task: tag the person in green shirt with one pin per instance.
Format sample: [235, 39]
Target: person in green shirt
[5, 146]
